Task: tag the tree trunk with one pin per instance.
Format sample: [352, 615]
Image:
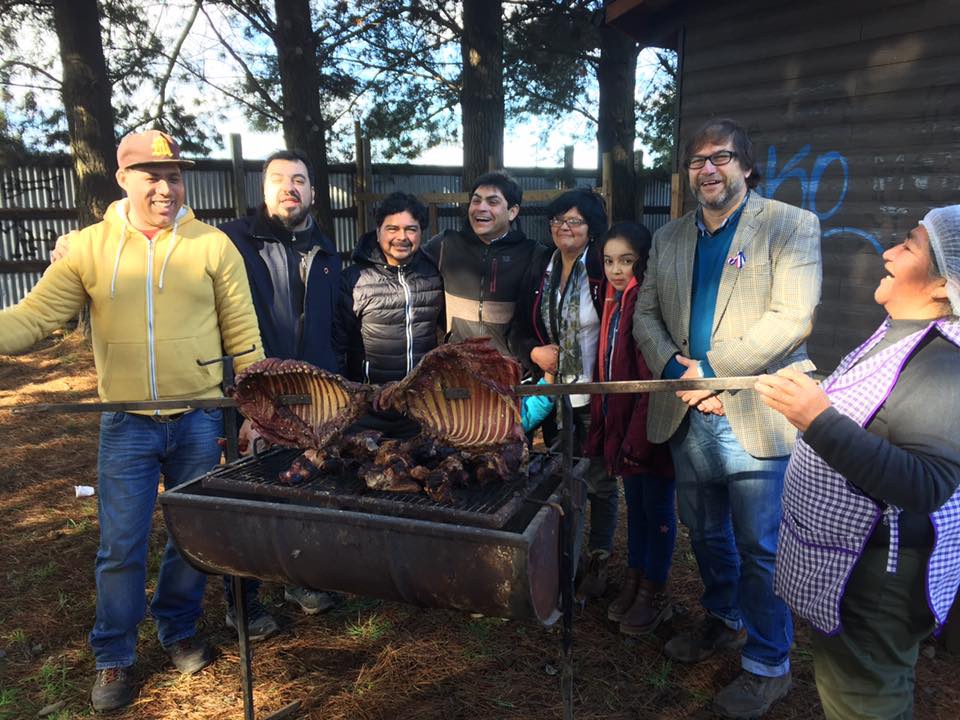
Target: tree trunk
[617, 122]
[304, 128]
[87, 102]
[481, 93]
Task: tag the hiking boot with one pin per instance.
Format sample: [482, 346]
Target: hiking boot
[628, 594]
[190, 655]
[113, 689]
[311, 601]
[704, 640]
[750, 696]
[594, 582]
[260, 623]
[650, 608]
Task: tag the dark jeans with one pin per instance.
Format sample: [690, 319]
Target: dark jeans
[651, 524]
[866, 671]
[602, 492]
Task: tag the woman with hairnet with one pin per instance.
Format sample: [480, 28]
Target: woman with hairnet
[869, 547]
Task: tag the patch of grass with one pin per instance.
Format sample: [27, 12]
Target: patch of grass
[53, 680]
[355, 606]
[63, 600]
[373, 628]
[45, 572]
[9, 702]
[18, 637]
[660, 678]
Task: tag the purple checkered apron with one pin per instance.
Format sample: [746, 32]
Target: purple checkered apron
[827, 521]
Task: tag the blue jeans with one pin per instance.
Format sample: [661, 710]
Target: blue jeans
[730, 501]
[134, 450]
[651, 524]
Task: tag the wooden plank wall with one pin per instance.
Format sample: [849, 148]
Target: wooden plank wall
[854, 108]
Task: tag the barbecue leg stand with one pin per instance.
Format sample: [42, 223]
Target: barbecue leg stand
[232, 452]
[572, 507]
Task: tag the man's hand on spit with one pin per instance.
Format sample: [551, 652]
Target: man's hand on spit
[247, 437]
[693, 398]
[794, 395]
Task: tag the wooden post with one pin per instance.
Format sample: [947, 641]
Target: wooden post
[434, 219]
[359, 178]
[491, 163]
[676, 196]
[606, 185]
[239, 176]
[567, 178]
[368, 184]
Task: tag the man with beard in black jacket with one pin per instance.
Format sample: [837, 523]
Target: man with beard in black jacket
[294, 274]
[484, 264]
[391, 301]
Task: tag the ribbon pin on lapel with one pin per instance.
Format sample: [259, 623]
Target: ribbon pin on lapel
[738, 260]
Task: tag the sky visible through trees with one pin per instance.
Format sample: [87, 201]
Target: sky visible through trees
[210, 68]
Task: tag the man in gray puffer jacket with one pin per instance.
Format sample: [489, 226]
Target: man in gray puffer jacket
[391, 299]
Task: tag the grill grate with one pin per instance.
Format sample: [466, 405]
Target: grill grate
[491, 506]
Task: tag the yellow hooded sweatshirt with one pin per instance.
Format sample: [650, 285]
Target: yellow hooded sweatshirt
[156, 307]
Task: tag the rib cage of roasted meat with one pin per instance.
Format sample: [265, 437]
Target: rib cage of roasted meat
[489, 417]
[475, 439]
[335, 402]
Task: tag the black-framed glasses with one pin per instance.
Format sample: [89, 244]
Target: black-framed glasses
[718, 158]
[572, 223]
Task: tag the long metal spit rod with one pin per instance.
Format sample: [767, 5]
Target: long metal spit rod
[591, 388]
[572, 503]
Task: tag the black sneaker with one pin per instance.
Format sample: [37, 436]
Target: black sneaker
[704, 640]
[260, 623]
[749, 696]
[113, 689]
[190, 655]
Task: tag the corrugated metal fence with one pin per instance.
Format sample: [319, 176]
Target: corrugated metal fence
[37, 204]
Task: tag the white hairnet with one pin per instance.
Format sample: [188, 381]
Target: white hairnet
[943, 228]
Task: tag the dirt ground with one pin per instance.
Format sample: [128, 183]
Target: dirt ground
[365, 660]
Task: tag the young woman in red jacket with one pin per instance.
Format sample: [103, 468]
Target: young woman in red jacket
[618, 434]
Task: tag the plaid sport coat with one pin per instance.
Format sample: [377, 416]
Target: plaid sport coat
[764, 313]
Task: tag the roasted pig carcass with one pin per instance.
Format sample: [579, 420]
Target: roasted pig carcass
[334, 404]
[489, 417]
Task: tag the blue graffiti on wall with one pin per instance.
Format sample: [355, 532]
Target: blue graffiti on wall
[810, 184]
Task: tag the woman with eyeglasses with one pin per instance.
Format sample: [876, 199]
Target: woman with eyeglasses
[561, 312]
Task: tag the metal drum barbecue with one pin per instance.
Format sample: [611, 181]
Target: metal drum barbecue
[494, 550]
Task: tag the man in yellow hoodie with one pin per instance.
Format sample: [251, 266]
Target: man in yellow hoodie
[165, 290]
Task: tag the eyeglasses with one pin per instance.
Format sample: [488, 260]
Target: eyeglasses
[572, 223]
[719, 158]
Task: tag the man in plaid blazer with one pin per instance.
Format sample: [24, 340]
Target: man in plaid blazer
[730, 289]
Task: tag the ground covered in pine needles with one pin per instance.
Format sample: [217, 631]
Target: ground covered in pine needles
[365, 660]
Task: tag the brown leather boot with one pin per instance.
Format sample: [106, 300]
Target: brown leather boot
[650, 608]
[628, 593]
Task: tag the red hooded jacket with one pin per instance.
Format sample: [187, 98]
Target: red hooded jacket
[620, 435]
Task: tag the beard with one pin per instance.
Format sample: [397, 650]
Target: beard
[289, 219]
[733, 188]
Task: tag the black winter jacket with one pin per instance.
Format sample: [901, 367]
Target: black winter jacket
[482, 283]
[252, 235]
[387, 317]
